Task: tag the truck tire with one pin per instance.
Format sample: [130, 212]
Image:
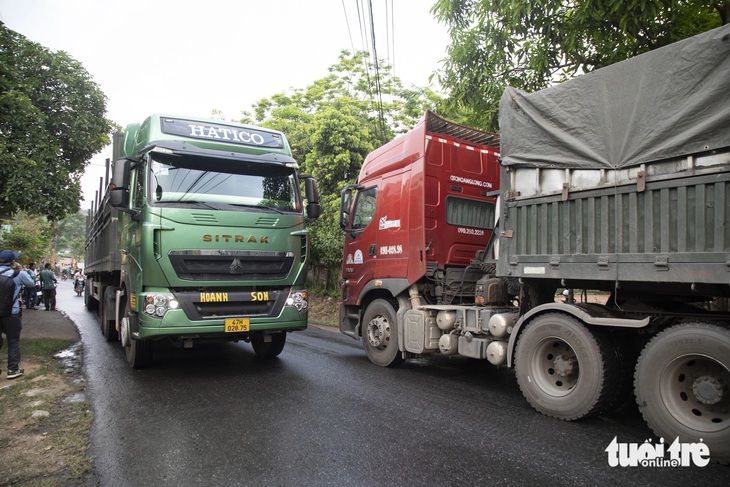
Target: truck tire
[566, 370]
[682, 386]
[91, 303]
[268, 349]
[138, 352]
[108, 318]
[380, 334]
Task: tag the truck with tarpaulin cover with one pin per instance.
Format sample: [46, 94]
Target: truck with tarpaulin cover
[617, 181]
[200, 235]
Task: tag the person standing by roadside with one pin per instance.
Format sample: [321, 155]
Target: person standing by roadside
[12, 324]
[29, 292]
[48, 286]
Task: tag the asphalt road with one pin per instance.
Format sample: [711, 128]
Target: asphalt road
[322, 414]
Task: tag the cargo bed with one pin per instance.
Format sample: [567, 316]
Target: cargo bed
[662, 222]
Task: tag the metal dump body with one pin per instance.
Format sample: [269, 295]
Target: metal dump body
[652, 227]
[102, 246]
[622, 175]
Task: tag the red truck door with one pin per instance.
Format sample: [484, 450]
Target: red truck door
[377, 246]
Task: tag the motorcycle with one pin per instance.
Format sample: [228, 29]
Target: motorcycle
[39, 292]
[79, 286]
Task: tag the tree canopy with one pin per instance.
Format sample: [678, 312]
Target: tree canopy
[52, 120]
[31, 235]
[38, 239]
[69, 236]
[332, 125]
[530, 45]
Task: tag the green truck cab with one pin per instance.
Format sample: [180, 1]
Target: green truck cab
[201, 235]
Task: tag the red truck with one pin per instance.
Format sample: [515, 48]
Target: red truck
[616, 181]
[424, 207]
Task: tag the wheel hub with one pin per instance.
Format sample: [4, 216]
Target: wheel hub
[708, 390]
[565, 365]
[378, 333]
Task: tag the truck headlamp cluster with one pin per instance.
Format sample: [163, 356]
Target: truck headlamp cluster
[298, 299]
[158, 304]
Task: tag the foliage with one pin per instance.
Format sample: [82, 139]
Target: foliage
[530, 45]
[332, 125]
[70, 235]
[340, 139]
[30, 235]
[52, 120]
[36, 238]
[326, 236]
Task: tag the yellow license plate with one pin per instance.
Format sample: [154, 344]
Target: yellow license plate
[237, 325]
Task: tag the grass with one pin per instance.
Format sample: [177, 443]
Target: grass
[323, 310]
[44, 439]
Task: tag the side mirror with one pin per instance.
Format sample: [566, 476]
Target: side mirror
[121, 171]
[119, 198]
[119, 185]
[346, 204]
[313, 211]
[312, 195]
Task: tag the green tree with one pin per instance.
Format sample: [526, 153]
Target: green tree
[332, 125]
[52, 120]
[30, 235]
[340, 140]
[69, 235]
[530, 45]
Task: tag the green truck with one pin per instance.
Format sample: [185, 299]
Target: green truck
[200, 235]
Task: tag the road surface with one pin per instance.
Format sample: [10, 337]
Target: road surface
[322, 414]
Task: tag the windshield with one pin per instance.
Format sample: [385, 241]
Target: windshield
[220, 185]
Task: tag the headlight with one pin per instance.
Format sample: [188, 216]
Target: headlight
[157, 304]
[298, 299]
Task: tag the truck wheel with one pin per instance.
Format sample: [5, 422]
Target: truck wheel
[108, 318]
[564, 369]
[626, 356]
[268, 349]
[380, 334]
[138, 352]
[91, 303]
[682, 386]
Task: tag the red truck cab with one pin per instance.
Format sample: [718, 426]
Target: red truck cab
[422, 207]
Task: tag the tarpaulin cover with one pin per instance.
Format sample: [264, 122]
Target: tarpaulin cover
[666, 103]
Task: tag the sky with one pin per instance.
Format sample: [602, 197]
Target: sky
[185, 57]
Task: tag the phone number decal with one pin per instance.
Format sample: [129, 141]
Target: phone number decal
[391, 249]
[471, 231]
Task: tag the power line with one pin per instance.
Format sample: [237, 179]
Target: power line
[363, 36]
[349, 32]
[390, 34]
[368, 40]
[375, 63]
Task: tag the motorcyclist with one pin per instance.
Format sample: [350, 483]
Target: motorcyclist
[79, 279]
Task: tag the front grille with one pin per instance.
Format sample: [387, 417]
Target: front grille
[216, 303]
[231, 265]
